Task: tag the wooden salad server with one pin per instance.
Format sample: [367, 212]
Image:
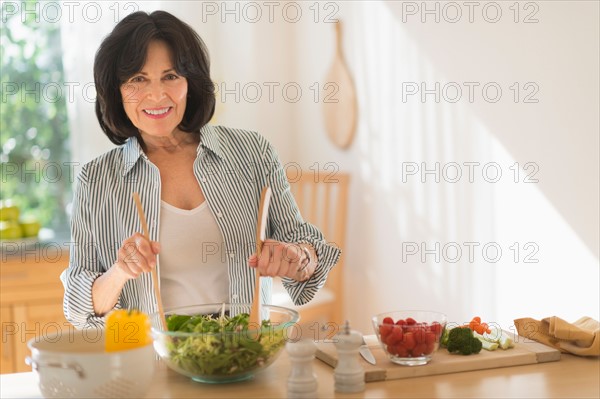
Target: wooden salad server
[261, 226]
[141, 215]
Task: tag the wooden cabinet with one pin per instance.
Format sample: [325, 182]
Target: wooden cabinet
[31, 297]
[7, 347]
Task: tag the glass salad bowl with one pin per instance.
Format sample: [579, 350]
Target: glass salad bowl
[215, 343]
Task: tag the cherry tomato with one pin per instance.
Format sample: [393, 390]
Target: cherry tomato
[430, 348]
[395, 336]
[419, 350]
[410, 321]
[388, 320]
[430, 338]
[436, 327]
[409, 340]
[385, 330]
[401, 351]
[419, 335]
[392, 350]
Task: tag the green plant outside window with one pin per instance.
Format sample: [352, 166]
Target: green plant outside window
[36, 174]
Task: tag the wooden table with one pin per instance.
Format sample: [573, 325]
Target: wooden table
[571, 377]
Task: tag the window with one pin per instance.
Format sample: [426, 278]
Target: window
[34, 140]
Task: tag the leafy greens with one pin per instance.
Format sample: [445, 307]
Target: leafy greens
[221, 346]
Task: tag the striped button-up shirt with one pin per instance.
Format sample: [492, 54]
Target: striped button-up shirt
[232, 166]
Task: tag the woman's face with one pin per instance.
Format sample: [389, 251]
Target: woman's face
[155, 98]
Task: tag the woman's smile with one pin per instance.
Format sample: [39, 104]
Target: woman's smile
[158, 113]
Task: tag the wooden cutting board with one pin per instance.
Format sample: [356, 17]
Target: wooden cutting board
[524, 352]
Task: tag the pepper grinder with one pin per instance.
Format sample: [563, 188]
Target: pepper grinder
[349, 375]
[302, 382]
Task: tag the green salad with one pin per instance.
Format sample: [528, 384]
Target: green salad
[224, 345]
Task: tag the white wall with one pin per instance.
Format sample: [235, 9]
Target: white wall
[250, 63]
[554, 221]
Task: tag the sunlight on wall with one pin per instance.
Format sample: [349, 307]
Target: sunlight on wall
[454, 224]
[565, 280]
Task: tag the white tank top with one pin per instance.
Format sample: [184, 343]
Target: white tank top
[192, 264]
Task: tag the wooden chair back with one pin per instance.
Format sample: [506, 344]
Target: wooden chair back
[322, 198]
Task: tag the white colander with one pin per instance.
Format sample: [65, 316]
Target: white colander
[73, 364]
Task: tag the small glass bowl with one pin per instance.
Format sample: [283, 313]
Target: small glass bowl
[409, 337]
[227, 356]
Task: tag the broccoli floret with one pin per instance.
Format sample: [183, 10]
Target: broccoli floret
[461, 340]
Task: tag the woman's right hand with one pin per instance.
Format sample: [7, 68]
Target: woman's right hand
[137, 255]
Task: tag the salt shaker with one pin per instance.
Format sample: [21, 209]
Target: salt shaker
[302, 382]
[349, 375]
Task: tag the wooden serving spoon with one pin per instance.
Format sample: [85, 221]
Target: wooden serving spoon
[140, 211]
[261, 225]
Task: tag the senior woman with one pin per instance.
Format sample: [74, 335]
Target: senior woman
[199, 184]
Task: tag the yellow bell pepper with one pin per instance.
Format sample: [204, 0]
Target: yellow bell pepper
[126, 329]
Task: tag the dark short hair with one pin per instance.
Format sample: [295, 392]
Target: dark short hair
[123, 53]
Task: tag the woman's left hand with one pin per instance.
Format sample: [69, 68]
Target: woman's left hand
[284, 260]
